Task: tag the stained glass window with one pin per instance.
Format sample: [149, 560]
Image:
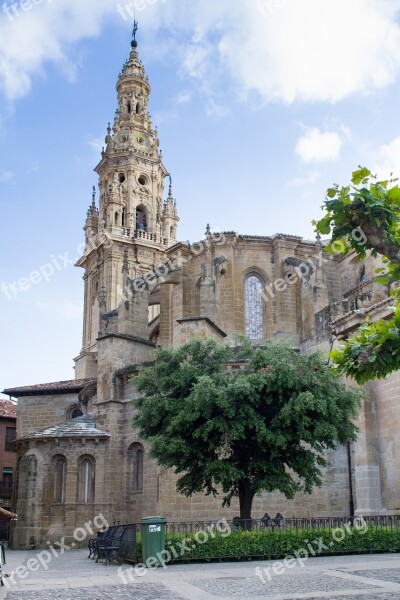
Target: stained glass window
[254, 308]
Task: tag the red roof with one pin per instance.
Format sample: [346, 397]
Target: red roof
[8, 409]
[59, 387]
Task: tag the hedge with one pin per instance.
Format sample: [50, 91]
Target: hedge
[273, 544]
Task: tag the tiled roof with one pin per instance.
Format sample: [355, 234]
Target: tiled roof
[81, 427]
[8, 409]
[59, 387]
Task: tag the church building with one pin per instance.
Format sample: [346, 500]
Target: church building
[77, 453]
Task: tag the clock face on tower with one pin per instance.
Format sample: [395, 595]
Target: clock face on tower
[141, 141]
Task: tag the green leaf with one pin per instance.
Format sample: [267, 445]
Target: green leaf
[359, 176]
[217, 430]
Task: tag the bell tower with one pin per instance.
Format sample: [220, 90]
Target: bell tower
[129, 232]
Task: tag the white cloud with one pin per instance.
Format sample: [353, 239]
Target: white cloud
[6, 175]
[183, 97]
[312, 50]
[315, 146]
[388, 160]
[286, 50]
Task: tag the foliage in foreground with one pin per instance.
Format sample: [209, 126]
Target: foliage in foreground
[267, 544]
[361, 217]
[266, 427]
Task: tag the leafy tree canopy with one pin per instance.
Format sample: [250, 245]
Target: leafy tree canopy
[366, 216]
[265, 427]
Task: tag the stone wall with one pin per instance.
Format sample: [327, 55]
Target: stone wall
[387, 401]
[39, 412]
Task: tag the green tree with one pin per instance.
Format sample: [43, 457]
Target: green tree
[266, 427]
[365, 216]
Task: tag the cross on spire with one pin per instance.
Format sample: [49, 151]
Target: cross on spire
[134, 43]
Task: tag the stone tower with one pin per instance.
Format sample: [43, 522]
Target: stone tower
[132, 228]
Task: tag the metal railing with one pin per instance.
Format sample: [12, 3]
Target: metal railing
[264, 539]
[276, 538]
[128, 550]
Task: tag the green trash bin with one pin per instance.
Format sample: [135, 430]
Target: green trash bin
[153, 540]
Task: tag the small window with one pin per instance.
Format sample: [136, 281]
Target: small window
[122, 178]
[143, 180]
[138, 108]
[10, 437]
[7, 483]
[59, 478]
[86, 479]
[172, 233]
[116, 218]
[129, 107]
[76, 413]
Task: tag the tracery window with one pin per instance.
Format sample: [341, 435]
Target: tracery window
[254, 307]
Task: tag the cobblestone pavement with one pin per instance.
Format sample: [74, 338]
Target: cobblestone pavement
[72, 576]
[392, 575]
[146, 591]
[235, 587]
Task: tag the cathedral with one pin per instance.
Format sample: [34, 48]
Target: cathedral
[78, 455]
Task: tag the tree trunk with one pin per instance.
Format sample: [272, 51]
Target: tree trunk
[375, 234]
[246, 496]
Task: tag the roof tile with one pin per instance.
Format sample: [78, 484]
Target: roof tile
[59, 387]
[8, 409]
[81, 427]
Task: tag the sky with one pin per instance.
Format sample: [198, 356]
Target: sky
[261, 106]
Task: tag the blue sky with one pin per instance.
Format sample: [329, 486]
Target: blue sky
[260, 104]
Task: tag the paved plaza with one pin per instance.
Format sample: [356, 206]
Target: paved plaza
[72, 576]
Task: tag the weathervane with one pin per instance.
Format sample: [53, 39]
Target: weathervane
[134, 32]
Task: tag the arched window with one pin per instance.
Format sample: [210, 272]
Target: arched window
[141, 220]
[254, 307]
[59, 478]
[137, 455]
[86, 468]
[76, 413]
[73, 412]
[116, 217]
[138, 108]
[129, 107]
[155, 338]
